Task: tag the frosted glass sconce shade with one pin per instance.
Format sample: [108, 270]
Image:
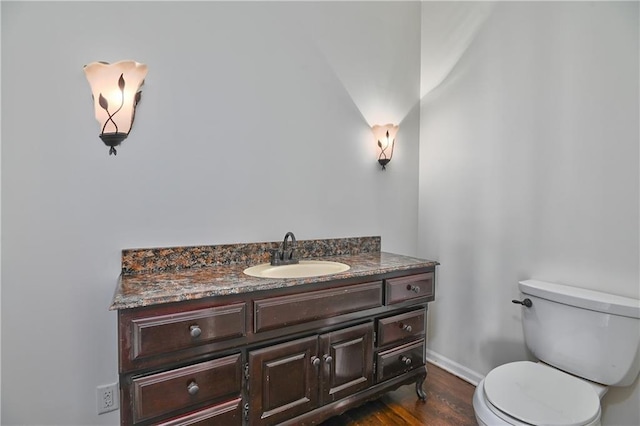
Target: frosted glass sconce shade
[385, 138]
[116, 92]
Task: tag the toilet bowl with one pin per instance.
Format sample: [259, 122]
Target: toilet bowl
[585, 341]
[525, 393]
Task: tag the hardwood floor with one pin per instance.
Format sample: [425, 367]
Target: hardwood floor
[449, 403]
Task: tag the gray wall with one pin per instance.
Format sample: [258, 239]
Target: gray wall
[254, 120]
[529, 153]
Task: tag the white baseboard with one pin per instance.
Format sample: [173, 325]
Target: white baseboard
[454, 368]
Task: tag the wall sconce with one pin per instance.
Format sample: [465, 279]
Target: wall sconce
[385, 137]
[116, 92]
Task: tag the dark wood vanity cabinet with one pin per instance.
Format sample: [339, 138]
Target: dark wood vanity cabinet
[293, 355]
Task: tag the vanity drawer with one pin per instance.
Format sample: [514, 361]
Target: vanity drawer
[411, 287]
[162, 393]
[228, 414]
[400, 359]
[313, 305]
[401, 327]
[172, 332]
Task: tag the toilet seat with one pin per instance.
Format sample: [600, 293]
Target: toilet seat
[539, 395]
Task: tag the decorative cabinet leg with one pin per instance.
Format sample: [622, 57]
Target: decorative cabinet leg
[419, 382]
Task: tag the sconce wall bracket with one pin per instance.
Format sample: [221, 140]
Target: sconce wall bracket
[112, 140]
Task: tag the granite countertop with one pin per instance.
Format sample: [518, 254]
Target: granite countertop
[156, 276]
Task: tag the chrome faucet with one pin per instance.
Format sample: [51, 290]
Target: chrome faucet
[285, 255]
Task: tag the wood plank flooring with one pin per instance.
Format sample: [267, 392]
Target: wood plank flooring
[449, 403]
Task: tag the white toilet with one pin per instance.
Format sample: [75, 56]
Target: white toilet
[585, 341]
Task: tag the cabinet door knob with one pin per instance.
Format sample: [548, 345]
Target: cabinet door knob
[193, 388]
[328, 359]
[405, 359]
[406, 327]
[195, 330]
[414, 288]
[315, 361]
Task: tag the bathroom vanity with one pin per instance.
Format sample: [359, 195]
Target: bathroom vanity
[202, 343]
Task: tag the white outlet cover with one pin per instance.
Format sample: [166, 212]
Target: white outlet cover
[107, 398]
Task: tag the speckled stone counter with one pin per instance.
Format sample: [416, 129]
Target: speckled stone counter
[163, 275]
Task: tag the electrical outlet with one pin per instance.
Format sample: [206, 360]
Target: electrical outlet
[107, 398]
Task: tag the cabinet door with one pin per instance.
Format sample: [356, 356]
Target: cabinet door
[347, 362]
[283, 381]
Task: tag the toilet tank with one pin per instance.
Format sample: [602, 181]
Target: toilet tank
[587, 333]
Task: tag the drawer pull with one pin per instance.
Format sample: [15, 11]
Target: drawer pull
[328, 359]
[405, 360]
[195, 331]
[193, 388]
[413, 288]
[406, 327]
[315, 361]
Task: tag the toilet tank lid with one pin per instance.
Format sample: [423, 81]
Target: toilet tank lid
[582, 298]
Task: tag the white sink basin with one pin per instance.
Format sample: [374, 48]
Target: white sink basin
[304, 269]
